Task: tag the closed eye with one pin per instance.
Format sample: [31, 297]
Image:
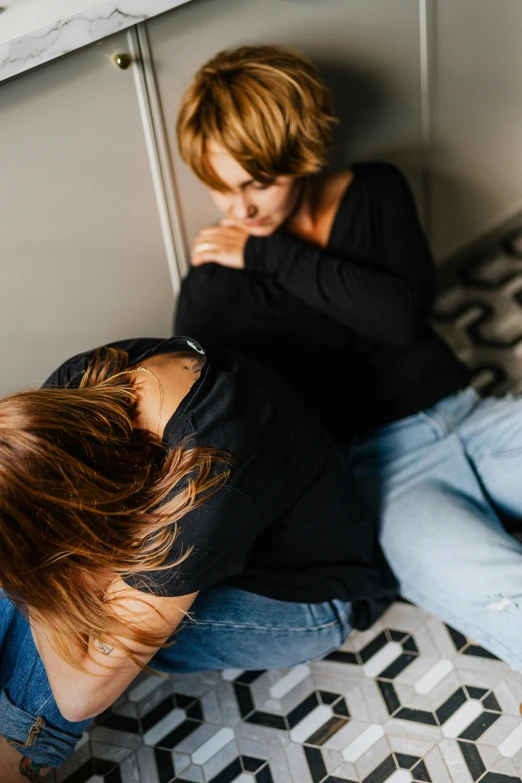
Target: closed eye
[262, 185]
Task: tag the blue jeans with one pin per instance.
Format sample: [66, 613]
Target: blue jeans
[442, 482]
[233, 629]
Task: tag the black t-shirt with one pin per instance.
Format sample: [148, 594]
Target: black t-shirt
[287, 524]
[359, 307]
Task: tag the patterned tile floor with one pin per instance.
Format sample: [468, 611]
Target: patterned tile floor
[408, 700]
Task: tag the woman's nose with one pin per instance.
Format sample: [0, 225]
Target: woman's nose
[241, 209]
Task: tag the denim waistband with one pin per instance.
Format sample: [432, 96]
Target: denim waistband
[418, 429]
[448, 411]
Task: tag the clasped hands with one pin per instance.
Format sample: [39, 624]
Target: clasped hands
[222, 244]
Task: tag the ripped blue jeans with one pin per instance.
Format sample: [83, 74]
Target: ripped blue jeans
[234, 629]
[445, 484]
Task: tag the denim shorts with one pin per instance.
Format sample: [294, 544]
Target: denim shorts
[232, 629]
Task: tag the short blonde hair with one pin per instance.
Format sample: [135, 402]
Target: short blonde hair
[266, 106]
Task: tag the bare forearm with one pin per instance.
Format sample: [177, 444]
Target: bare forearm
[104, 671]
[71, 687]
[50, 658]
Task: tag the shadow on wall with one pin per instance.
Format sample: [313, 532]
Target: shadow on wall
[458, 205]
[361, 102]
[366, 108]
[464, 209]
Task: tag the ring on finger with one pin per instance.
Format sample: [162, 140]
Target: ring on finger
[204, 246]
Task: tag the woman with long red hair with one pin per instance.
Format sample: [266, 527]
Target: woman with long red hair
[170, 508]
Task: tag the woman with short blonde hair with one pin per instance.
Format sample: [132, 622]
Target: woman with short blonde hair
[266, 106]
[333, 267]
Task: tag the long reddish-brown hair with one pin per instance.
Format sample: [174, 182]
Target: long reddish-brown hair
[83, 494]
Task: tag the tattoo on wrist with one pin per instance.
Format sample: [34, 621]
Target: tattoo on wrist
[102, 647]
[30, 770]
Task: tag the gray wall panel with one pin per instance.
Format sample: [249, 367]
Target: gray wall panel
[81, 247]
[477, 113]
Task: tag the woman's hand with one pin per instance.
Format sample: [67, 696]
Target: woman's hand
[223, 244]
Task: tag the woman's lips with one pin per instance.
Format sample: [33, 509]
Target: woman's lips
[255, 223]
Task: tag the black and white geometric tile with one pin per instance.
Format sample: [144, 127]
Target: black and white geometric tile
[479, 311]
[408, 700]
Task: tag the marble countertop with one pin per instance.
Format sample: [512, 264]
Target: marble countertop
[32, 32]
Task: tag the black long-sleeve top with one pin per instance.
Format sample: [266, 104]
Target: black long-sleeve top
[348, 324]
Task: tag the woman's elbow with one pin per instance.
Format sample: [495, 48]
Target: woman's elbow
[77, 711]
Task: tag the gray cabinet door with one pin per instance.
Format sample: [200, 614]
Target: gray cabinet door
[477, 112]
[81, 246]
[368, 51]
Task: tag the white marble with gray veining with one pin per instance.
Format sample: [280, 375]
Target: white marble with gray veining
[32, 32]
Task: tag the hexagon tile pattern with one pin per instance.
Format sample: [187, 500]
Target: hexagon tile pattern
[408, 700]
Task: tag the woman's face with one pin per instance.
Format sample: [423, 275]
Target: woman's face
[257, 208]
